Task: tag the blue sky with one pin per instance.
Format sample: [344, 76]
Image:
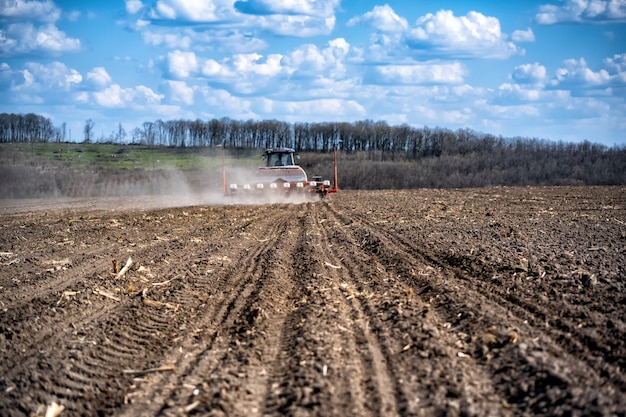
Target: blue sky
[549, 69]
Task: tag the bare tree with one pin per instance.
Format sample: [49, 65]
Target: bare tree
[120, 135]
[88, 130]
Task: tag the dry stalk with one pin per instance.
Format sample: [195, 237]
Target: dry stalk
[67, 294]
[150, 370]
[105, 293]
[158, 284]
[160, 304]
[126, 267]
[191, 406]
[12, 261]
[54, 409]
[61, 262]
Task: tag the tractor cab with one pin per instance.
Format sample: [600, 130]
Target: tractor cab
[279, 157]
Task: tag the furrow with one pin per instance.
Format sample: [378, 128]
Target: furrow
[409, 335]
[317, 370]
[208, 360]
[482, 335]
[563, 327]
[117, 337]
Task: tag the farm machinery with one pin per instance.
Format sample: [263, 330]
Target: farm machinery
[281, 177]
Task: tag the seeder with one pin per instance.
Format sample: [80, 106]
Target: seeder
[283, 178]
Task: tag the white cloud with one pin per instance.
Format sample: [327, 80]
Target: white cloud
[82, 97]
[450, 106]
[190, 10]
[213, 69]
[383, 18]
[472, 35]
[289, 110]
[25, 38]
[530, 74]
[617, 63]
[37, 83]
[29, 83]
[256, 73]
[140, 24]
[331, 109]
[99, 77]
[338, 47]
[276, 75]
[54, 77]
[225, 103]
[421, 74]
[165, 11]
[170, 40]
[523, 35]
[294, 25]
[319, 8]
[289, 17]
[145, 95]
[324, 87]
[308, 57]
[116, 96]
[29, 10]
[311, 60]
[112, 96]
[231, 41]
[576, 72]
[182, 64]
[180, 92]
[246, 73]
[245, 64]
[194, 11]
[49, 38]
[300, 18]
[28, 27]
[133, 6]
[583, 11]
[515, 93]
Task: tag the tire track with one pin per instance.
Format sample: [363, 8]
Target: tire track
[21, 319]
[494, 347]
[565, 327]
[560, 327]
[409, 333]
[119, 335]
[375, 356]
[246, 311]
[347, 308]
[330, 363]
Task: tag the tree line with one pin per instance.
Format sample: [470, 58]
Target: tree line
[17, 128]
[378, 138]
[437, 157]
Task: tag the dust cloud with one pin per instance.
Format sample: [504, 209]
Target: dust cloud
[27, 188]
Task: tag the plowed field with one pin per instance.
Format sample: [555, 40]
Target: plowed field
[481, 302]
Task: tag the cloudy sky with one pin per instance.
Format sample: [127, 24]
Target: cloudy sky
[550, 69]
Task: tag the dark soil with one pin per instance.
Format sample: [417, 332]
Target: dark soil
[476, 302]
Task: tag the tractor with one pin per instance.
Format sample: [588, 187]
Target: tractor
[281, 177]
